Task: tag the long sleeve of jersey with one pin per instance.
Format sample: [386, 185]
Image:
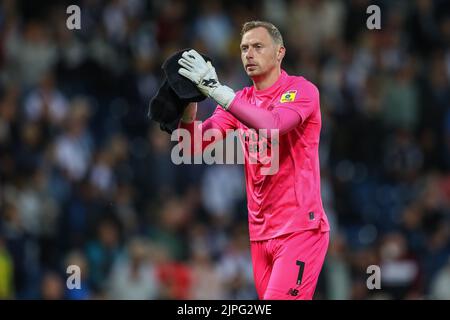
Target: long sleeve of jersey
[282, 119]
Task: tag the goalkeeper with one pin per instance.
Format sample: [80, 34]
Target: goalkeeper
[289, 230]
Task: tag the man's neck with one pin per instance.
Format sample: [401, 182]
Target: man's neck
[267, 80]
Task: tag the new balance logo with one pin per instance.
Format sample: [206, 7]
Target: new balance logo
[209, 83]
[292, 292]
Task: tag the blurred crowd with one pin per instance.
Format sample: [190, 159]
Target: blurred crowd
[86, 179]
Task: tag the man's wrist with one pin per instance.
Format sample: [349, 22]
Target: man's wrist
[187, 121]
[223, 95]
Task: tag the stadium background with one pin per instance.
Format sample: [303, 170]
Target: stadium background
[86, 179]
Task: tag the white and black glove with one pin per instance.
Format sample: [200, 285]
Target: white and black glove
[204, 76]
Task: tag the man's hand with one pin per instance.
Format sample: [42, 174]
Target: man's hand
[204, 76]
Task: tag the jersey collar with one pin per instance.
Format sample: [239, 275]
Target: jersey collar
[273, 87]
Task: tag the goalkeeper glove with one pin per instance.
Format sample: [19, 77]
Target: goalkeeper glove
[204, 76]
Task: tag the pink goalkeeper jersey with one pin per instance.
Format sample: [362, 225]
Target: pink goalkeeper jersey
[289, 200]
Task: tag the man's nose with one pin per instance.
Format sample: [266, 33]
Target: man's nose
[249, 54]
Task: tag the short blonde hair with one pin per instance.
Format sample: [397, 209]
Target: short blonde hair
[273, 31]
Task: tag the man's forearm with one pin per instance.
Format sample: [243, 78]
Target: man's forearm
[190, 113]
[282, 119]
[197, 131]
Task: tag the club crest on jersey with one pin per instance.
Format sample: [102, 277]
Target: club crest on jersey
[288, 96]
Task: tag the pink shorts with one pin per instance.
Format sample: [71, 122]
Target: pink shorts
[288, 267]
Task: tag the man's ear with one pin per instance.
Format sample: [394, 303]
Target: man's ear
[280, 54]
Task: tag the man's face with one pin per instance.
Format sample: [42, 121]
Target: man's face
[259, 53]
